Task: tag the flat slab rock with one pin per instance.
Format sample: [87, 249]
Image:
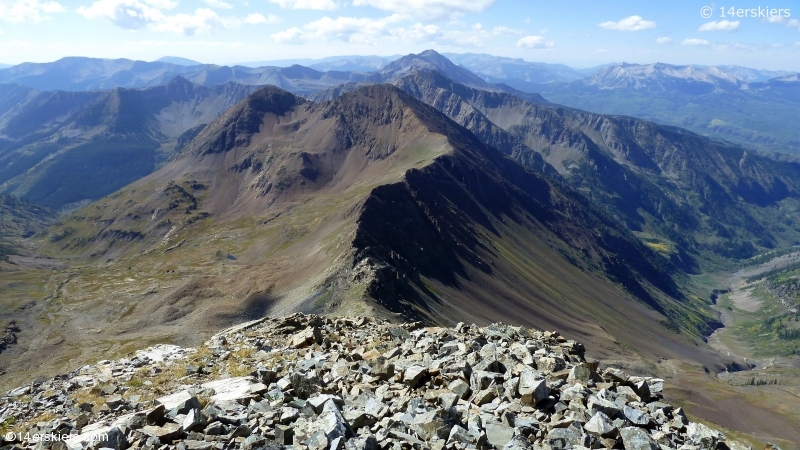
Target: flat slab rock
[226, 389]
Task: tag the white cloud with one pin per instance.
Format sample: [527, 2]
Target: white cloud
[134, 15]
[797, 43]
[428, 9]
[663, 40]
[498, 31]
[418, 32]
[360, 30]
[368, 31]
[203, 21]
[696, 42]
[259, 19]
[722, 25]
[28, 10]
[219, 4]
[735, 46]
[791, 23]
[128, 14]
[601, 50]
[534, 42]
[162, 4]
[324, 5]
[632, 23]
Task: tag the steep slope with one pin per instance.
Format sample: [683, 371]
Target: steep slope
[687, 195]
[373, 202]
[715, 101]
[20, 219]
[704, 195]
[59, 148]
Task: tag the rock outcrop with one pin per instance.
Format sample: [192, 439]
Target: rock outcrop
[354, 383]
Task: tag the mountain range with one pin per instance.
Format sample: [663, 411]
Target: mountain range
[724, 102]
[374, 202]
[59, 148]
[80, 74]
[420, 191]
[757, 108]
[696, 196]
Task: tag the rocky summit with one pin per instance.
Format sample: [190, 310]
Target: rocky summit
[319, 383]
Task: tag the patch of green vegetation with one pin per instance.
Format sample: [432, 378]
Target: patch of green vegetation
[7, 425]
[769, 255]
[761, 382]
[774, 329]
[322, 299]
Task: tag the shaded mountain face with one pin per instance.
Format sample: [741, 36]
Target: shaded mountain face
[20, 219]
[701, 193]
[687, 195]
[59, 148]
[724, 102]
[80, 74]
[372, 202]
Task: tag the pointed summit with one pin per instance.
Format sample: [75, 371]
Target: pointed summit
[430, 60]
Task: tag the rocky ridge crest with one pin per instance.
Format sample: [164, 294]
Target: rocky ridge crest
[323, 383]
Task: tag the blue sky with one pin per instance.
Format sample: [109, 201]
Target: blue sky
[576, 33]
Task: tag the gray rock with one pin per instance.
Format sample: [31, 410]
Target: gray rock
[613, 375]
[459, 387]
[600, 425]
[635, 438]
[579, 374]
[432, 425]
[306, 337]
[195, 420]
[165, 433]
[563, 438]
[532, 388]
[518, 443]
[284, 434]
[115, 439]
[498, 435]
[703, 436]
[636, 416]
[198, 445]
[414, 375]
[331, 422]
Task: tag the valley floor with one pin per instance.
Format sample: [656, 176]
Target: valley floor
[759, 398]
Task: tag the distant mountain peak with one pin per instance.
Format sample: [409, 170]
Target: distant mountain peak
[664, 77]
[179, 61]
[430, 60]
